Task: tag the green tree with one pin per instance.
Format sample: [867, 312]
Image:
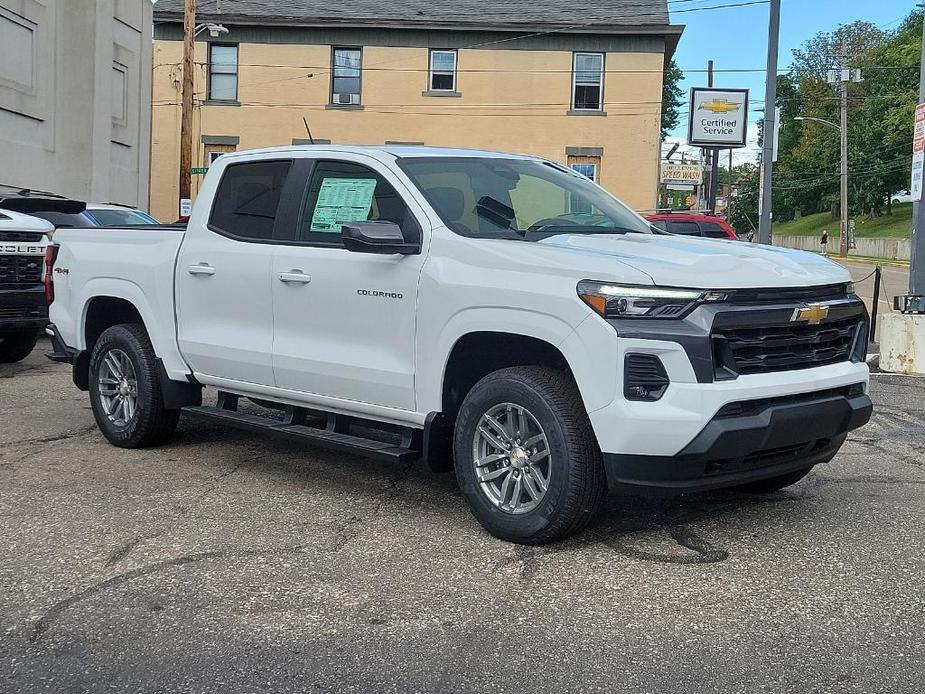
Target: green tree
[744, 211]
[672, 97]
[879, 120]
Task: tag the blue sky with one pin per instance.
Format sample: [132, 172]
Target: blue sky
[737, 37]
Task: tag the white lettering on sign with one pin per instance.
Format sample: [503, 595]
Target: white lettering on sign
[718, 118]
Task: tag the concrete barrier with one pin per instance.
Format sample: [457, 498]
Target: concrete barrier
[895, 249]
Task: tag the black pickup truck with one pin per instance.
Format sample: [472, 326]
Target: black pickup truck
[24, 240]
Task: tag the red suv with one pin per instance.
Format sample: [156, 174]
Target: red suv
[688, 224]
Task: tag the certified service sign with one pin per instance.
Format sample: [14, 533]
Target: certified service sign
[719, 118]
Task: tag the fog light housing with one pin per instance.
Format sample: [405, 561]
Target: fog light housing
[644, 378]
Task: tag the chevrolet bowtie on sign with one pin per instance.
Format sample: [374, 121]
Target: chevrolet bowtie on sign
[718, 118]
[813, 314]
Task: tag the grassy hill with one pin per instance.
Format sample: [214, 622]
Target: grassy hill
[897, 225]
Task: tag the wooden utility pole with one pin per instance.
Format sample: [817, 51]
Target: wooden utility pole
[186, 119]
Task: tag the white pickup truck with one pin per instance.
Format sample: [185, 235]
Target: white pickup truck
[495, 313]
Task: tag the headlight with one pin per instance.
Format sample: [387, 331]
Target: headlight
[625, 301]
[849, 288]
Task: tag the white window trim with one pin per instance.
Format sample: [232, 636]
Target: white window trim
[431, 72]
[593, 166]
[211, 72]
[576, 84]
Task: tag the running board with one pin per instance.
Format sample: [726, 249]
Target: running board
[332, 436]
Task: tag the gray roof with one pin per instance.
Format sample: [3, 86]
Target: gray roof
[598, 15]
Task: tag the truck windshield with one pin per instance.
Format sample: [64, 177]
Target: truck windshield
[517, 198]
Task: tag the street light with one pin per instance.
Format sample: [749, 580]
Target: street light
[215, 30]
[820, 120]
[843, 241]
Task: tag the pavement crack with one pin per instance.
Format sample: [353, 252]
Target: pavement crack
[356, 523]
[83, 431]
[42, 625]
[123, 550]
[703, 552]
[45, 621]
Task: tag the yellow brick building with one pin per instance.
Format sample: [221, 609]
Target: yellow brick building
[530, 77]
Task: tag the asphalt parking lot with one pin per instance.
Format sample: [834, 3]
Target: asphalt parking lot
[224, 563]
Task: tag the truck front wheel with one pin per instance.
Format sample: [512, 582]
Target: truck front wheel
[16, 346]
[525, 455]
[125, 392]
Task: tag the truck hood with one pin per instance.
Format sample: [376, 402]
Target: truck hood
[675, 261]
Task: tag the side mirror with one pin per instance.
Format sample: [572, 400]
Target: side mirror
[384, 238]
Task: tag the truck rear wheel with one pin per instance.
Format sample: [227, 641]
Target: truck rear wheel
[16, 346]
[526, 458]
[125, 392]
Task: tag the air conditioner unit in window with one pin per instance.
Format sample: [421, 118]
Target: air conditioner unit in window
[347, 99]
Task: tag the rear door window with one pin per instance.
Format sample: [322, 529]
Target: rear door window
[684, 228]
[342, 192]
[712, 230]
[247, 199]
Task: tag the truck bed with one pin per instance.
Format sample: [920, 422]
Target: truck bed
[122, 263]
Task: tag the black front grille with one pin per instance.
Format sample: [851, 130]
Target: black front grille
[27, 236]
[20, 312]
[778, 295]
[765, 349]
[21, 270]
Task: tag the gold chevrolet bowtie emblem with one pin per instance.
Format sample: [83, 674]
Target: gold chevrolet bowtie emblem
[813, 314]
[719, 106]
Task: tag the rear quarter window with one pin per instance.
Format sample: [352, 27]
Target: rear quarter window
[247, 199]
[712, 230]
[684, 228]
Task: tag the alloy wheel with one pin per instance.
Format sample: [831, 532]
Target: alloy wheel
[510, 452]
[118, 387]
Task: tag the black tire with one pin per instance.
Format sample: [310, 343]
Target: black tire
[17, 346]
[576, 481]
[773, 484]
[151, 423]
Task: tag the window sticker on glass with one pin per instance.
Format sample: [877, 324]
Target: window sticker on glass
[343, 200]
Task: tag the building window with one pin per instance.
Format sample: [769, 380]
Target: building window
[345, 83]
[588, 82]
[442, 71]
[586, 170]
[119, 97]
[223, 72]
[576, 204]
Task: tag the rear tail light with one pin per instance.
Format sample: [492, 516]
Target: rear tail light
[51, 254]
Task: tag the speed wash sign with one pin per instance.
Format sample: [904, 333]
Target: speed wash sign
[718, 118]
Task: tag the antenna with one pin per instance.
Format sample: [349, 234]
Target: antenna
[308, 130]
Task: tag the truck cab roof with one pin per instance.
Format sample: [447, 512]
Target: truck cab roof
[398, 151]
[17, 221]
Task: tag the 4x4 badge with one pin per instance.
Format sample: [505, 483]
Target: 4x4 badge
[813, 314]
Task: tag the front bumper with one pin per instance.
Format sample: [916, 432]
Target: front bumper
[23, 310]
[748, 441]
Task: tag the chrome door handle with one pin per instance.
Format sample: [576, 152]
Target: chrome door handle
[201, 269]
[296, 276]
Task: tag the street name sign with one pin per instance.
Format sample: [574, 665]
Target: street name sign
[718, 118]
